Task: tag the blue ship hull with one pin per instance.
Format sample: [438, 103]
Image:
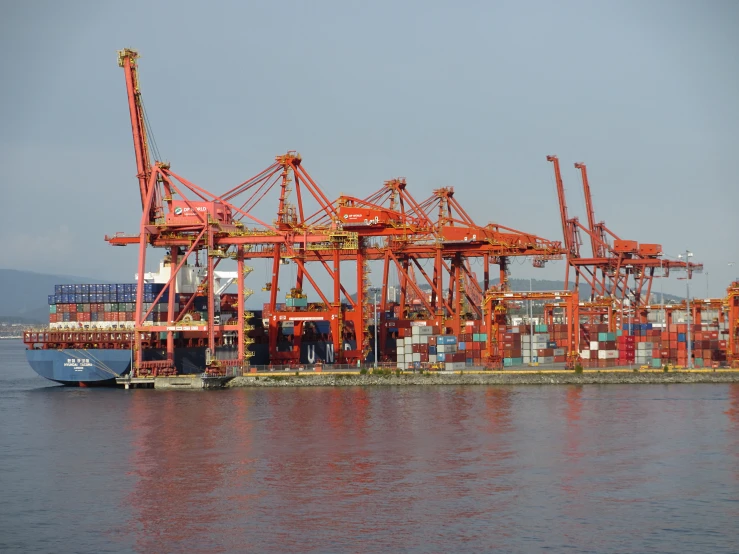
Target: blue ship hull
[88, 367]
[79, 366]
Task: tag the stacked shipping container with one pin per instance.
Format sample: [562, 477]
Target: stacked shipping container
[106, 305]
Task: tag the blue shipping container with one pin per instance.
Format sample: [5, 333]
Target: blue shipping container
[52, 300]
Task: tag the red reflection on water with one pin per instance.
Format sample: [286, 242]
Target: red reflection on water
[175, 457]
[733, 410]
[573, 437]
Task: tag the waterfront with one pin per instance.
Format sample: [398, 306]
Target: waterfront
[593, 468]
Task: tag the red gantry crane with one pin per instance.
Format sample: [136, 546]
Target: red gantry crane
[613, 260]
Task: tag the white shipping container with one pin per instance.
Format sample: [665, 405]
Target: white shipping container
[546, 359]
[423, 339]
[432, 358]
[585, 354]
[400, 350]
[527, 359]
[399, 358]
[593, 345]
[415, 339]
[425, 330]
[401, 365]
[414, 331]
[454, 366]
[399, 342]
[408, 341]
[416, 357]
[607, 354]
[526, 339]
[560, 351]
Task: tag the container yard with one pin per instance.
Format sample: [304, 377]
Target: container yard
[402, 292]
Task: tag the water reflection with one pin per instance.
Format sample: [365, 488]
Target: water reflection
[176, 459]
[408, 469]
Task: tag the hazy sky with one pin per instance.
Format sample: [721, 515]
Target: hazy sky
[469, 94]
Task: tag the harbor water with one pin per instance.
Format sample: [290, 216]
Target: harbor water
[595, 468]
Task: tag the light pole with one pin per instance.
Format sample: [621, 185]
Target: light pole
[375, 333]
[531, 315]
[707, 294]
[662, 296]
[687, 257]
[630, 331]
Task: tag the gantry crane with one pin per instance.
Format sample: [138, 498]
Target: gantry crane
[613, 261]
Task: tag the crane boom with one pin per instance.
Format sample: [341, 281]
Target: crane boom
[567, 232]
[595, 229]
[127, 60]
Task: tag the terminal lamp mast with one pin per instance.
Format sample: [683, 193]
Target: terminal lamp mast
[686, 256]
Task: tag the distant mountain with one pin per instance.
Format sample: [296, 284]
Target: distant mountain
[24, 294]
[536, 284]
[548, 285]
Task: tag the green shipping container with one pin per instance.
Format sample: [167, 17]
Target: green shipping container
[52, 309]
[604, 337]
[698, 362]
[656, 362]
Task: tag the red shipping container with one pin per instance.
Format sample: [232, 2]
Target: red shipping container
[52, 318]
[72, 308]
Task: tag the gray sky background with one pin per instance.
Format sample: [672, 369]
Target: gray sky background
[469, 94]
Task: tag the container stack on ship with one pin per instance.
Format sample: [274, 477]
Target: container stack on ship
[349, 276]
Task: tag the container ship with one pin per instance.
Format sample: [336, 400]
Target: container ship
[90, 338]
